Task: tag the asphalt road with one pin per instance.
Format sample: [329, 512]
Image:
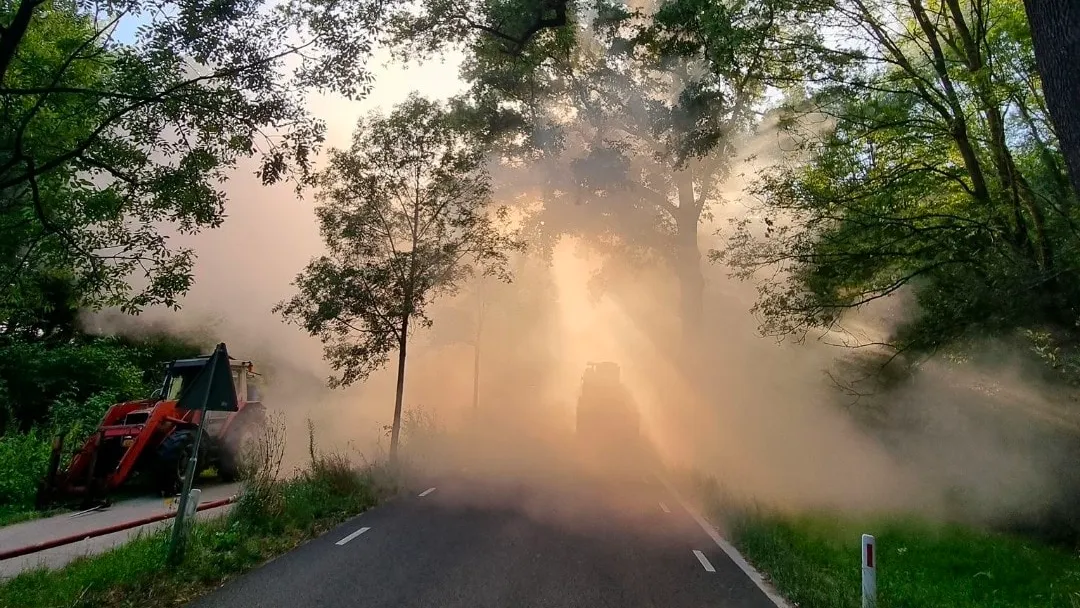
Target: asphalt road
[469, 543]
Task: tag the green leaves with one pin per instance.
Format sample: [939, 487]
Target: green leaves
[505, 30]
[405, 216]
[927, 171]
[109, 139]
[54, 385]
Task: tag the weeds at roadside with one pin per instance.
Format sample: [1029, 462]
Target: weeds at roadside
[423, 441]
[813, 559]
[23, 460]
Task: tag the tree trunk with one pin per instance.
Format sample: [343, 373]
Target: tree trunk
[476, 356]
[691, 284]
[688, 260]
[395, 430]
[1055, 30]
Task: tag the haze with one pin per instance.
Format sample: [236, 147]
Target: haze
[768, 423]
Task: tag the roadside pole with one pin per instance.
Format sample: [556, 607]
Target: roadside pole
[869, 572]
[179, 533]
[202, 393]
[480, 307]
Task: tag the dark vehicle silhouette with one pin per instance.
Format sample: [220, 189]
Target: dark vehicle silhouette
[606, 414]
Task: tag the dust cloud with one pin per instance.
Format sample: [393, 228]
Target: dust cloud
[761, 417]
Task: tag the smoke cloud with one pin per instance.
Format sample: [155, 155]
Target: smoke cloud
[764, 418]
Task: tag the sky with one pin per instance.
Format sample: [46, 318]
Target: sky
[436, 79]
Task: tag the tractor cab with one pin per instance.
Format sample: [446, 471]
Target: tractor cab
[604, 374]
[182, 372]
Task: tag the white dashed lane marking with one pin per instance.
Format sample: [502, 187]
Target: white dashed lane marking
[351, 536]
[426, 492]
[704, 561]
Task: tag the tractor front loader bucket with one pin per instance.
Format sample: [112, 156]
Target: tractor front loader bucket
[79, 480]
[47, 488]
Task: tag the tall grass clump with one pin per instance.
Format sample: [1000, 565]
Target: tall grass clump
[330, 487]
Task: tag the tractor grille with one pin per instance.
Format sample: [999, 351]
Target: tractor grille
[136, 418]
[109, 454]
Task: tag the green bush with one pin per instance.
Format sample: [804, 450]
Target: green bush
[37, 375]
[330, 488]
[88, 373]
[23, 460]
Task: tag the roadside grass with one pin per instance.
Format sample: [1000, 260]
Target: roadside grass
[814, 560]
[15, 514]
[270, 518]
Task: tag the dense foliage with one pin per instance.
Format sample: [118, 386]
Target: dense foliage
[60, 385]
[928, 165]
[120, 121]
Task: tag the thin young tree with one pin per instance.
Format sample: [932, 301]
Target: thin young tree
[406, 215]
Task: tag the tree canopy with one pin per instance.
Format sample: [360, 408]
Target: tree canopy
[113, 135]
[927, 164]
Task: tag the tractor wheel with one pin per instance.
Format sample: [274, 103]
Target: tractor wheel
[246, 430]
[173, 455]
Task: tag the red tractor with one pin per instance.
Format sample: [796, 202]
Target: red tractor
[153, 439]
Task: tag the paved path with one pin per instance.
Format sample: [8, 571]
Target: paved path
[464, 542]
[42, 530]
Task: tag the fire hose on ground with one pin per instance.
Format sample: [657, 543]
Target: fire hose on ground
[74, 538]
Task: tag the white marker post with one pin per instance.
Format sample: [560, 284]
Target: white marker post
[193, 502]
[869, 572]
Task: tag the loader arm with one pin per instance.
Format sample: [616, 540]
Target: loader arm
[111, 455]
[164, 418]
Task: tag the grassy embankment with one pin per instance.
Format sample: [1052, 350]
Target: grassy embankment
[814, 561]
[271, 518]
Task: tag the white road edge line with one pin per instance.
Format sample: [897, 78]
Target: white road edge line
[426, 492]
[728, 548]
[664, 508]
[704, 561]
[351, 536]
